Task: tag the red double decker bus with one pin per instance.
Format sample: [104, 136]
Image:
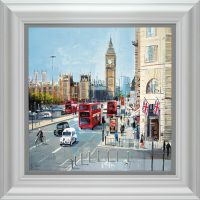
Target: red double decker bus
[71, 107]
[111, 108]
[89, 115]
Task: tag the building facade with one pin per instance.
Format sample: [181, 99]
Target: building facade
[85, 87]
[155, 70]
[110, 59]
[65, 90]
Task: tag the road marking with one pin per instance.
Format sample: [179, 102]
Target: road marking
[58, 149]
[63, 162]
[31, 148]
[43, 159]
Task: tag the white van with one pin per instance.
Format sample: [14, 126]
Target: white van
[69, 136]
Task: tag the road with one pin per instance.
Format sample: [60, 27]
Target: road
[53, 157]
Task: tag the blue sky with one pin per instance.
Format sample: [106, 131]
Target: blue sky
[79, 50]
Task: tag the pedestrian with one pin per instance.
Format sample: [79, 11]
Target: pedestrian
[128, 122]
[168, 147]
[133, 124]
[40, 135]
[142, 141]
[116, 136]
[142, 138]
[164, 145]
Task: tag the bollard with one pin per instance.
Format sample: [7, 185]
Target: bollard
[32, 121]
[117, 156]
[75, 160]
[105, 140]
[108, 155]
[163, 161]
[89, 156]
[81, 159]
[98, 155]
[152, 155]
[72, 163]
[119, 142]
[102, 135]
[128, 156]
[152, 163]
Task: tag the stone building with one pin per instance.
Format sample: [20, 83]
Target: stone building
[65, 83]
[155, 71]
[75, 91]
[110, 58]
[85, 87]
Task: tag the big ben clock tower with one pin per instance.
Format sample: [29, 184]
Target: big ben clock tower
[110, 71]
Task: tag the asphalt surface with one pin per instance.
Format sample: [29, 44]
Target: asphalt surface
[51, 156]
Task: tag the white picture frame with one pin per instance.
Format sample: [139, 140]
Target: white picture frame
[14, 184]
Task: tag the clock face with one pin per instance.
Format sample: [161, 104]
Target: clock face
[109, 61]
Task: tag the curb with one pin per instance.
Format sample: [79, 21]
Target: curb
[50, 123]
[116, 147]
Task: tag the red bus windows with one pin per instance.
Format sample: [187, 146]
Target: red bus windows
[84, 114]
[84, 121]
[83, 107]
[94, 107]
[70, 107]
[89, 115]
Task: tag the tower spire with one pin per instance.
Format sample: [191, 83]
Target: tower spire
[110, 43]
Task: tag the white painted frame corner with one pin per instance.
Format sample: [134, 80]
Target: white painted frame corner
[14, 184]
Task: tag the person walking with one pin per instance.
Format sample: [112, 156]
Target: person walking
[116, 136]
[164, 146]
[168, 147]
[142, 141]
[40, 135]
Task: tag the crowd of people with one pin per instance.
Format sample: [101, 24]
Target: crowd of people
[126, 122]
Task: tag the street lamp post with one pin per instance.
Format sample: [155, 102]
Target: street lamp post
[52, 57]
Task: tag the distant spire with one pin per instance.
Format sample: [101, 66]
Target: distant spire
[110, 43]
[110, 49]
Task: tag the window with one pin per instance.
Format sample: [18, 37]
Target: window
[151, 53]
[152, 87]
[168, 47]
[151, 32]
[84, 114]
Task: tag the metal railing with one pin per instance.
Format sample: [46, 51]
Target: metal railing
[121, 142]
[127, 157]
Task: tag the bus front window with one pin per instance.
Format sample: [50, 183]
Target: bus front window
[84, 121]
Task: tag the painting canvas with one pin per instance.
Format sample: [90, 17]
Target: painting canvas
[100, 99]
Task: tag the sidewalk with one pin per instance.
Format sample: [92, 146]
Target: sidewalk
[41, 123]
[136, 165]
[128, 136]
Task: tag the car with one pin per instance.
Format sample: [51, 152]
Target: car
[43, 115]
[69, 137]
[60, 128]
